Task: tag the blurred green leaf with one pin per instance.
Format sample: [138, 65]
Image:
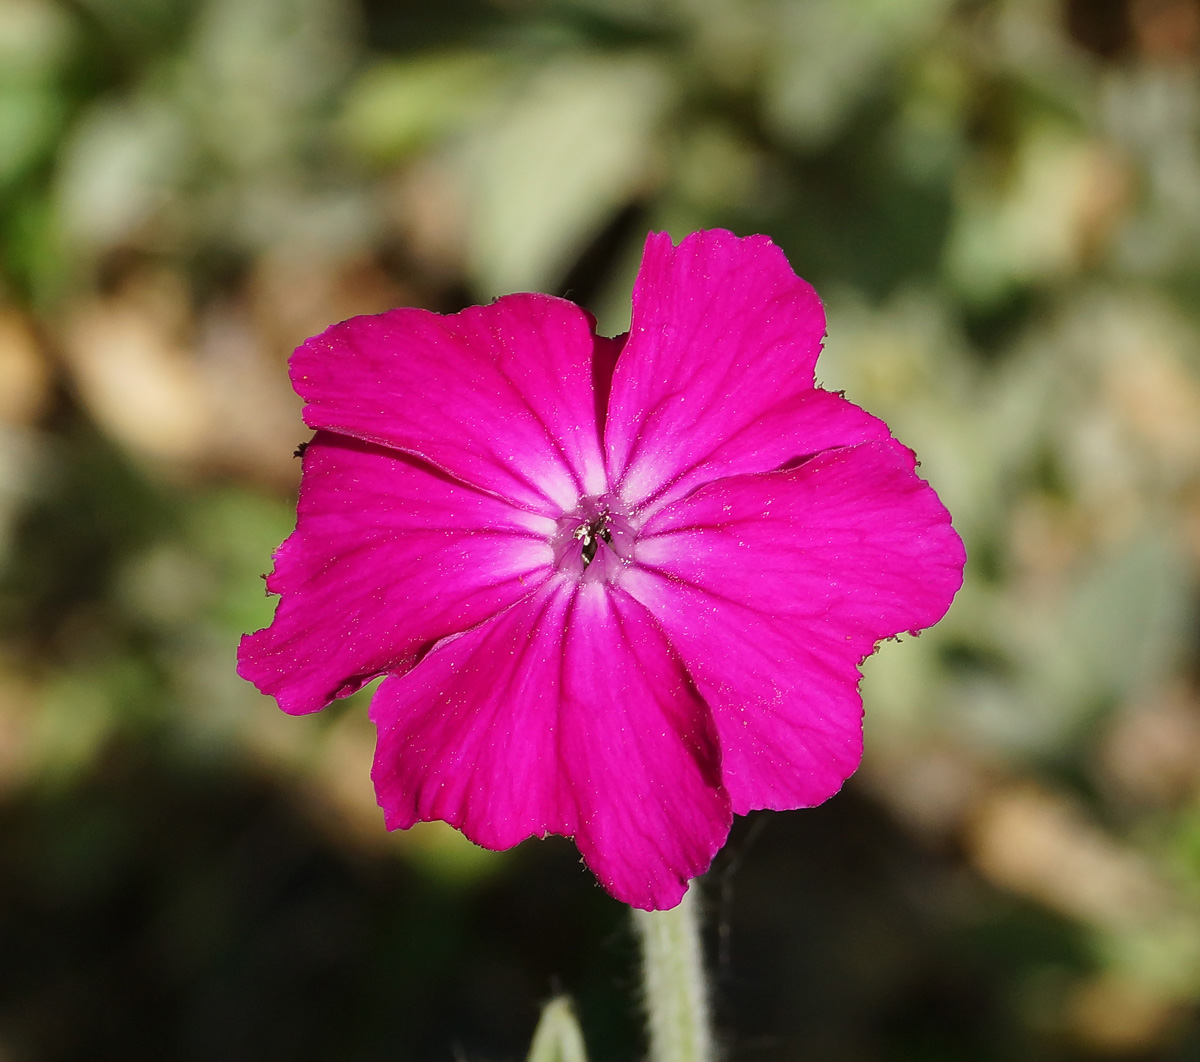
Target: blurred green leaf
[29, 120]
[825, 56]
[119, 170]
[259, 74]
[35, 38]
[398, 106]
[1024, 227]
[576, 143]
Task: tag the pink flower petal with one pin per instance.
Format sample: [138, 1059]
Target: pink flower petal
[795, 428]
[388, 556]
[568, 713]
[773, 588]
[498, 396]
[724, 337]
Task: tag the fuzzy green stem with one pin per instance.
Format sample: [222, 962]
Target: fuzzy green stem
[676, 990]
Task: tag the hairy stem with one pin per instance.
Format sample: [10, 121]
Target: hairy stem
[676, 990]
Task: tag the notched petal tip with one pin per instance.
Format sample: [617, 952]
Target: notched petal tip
[722, 332]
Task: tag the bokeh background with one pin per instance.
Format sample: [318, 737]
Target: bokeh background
[999, 201]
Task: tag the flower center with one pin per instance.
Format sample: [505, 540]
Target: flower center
[590, 534]
[594, 541]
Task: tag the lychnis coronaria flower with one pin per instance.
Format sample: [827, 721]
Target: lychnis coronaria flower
[620, 589]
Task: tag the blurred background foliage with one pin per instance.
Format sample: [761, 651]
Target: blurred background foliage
[1000, 203]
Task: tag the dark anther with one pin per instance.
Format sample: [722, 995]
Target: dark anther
[299, 451]
[591, 535]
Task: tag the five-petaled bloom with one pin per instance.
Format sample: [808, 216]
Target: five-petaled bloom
[620, 588]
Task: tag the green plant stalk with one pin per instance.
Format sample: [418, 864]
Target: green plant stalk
[674, 983]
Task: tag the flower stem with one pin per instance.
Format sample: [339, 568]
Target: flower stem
[676, 990]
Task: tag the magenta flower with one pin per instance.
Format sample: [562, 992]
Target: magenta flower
[620, 588]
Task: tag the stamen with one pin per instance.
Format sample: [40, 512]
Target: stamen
[591, 534]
